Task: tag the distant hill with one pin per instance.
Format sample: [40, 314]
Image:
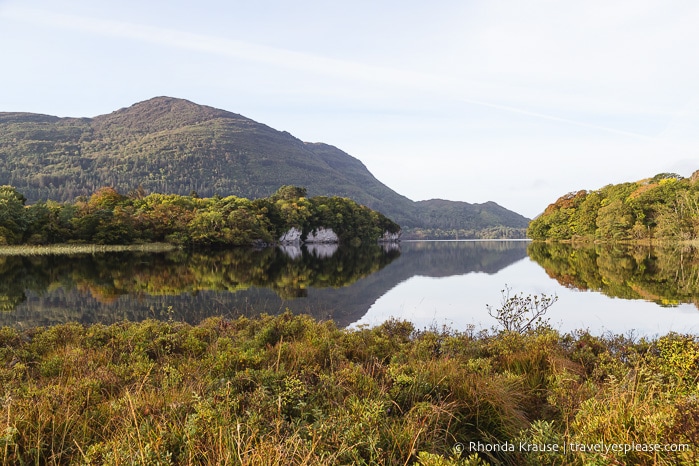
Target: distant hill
[172, 145]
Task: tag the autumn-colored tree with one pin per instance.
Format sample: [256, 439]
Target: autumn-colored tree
[663, 207]
[108, 217]
[106, 198]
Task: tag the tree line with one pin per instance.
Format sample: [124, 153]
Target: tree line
[497, 232]
[665, 207]
[109, 217]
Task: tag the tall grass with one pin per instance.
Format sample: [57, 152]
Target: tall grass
[291, 390]
[56, 249]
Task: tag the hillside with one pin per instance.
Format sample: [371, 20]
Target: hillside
[665, 207]
[464, 220]
[170, 145]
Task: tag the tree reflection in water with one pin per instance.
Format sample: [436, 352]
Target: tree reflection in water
[323, 281]
[86, 281]
[667, 275]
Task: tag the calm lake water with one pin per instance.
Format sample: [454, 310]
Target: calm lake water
[648, 291]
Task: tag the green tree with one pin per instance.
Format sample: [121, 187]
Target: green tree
[289, 193]
[49, 223]
[583, 221]
[13, 215]
[614, 221]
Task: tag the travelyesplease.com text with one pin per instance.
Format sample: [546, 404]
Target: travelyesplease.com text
[572, 447]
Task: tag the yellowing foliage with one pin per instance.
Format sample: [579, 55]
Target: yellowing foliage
[663, 207]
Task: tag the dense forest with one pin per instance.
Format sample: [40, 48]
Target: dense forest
[461, 220]
[665, 207]
[109, 217]
[169, 145]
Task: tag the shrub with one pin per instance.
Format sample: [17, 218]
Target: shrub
[520, 313]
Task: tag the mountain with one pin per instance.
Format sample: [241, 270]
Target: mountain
[175, 146]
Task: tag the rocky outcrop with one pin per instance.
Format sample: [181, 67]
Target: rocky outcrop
[389, 237]
[322, 235]
[292, 236]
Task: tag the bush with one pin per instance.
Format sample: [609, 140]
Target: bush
[287, 389]
[520, 313]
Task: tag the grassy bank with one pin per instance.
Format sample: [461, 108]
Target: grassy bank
[291, 390]
[55, 249]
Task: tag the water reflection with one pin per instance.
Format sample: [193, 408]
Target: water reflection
[102, 287]
[602, 289]
[323, 280]
[667, 275]
[425, 282]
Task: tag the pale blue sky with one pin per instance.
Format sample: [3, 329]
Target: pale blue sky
[514, 102]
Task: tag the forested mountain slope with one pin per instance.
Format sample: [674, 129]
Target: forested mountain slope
[169, 145]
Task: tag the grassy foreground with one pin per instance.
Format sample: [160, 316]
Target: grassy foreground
[291, 390]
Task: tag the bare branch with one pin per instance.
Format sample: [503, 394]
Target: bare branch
[520, 313]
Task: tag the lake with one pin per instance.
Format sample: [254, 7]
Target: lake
[619, 289]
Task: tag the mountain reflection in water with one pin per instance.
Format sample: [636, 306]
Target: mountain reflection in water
[325, 281]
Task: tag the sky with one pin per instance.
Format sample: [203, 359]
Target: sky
[507, 101]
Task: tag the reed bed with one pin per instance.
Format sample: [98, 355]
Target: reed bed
[57, 249]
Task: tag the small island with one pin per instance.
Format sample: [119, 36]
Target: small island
[662, 208]
[111, 218]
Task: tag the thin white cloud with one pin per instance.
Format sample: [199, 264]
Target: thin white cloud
[454, 89]
[208, 44]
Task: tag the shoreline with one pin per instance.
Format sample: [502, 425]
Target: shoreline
[66, 249]
[630, 242]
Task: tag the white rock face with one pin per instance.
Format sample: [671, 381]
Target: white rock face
[390, 237]
[322, 235]
[293, 236]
